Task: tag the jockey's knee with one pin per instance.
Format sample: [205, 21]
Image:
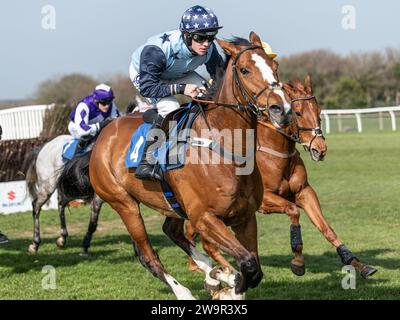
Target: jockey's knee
[167, 105]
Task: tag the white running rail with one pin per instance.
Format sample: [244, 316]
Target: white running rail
[23, 122]
[327, 113]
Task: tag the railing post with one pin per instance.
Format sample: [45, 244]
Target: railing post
[393, 117]
[327, 124]
[359, 123]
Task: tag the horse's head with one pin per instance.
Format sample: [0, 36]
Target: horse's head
[255, 78]
[305, 118]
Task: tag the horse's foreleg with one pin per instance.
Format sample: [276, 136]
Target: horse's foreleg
[173, 228]
[273, 203]
[308, 200]
[96, 204]
[213, 230]
[129, 212]
[208, 247]
[62, 203]
[191, 234]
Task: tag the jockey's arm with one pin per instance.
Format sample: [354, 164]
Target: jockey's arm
[152, 64]
[82, 121]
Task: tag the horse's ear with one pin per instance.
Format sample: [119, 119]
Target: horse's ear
[298, 85]
[288, 88]
[229, 48]
[255, 39]
[308, 84]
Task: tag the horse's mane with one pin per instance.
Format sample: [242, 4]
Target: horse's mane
[221, 70]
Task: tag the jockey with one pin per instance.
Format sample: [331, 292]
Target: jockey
[89, 116]
[163, 68]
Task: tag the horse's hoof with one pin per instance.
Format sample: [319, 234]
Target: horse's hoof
[298, 270]
[84, 254]
[228, 294]
[215, 272]
[367, 271]
[212, 289]
[33, 248]
[61, 242]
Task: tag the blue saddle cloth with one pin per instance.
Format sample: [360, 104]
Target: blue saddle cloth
[171, 154]
[71, 150]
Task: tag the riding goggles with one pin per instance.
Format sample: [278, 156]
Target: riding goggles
[201, 37]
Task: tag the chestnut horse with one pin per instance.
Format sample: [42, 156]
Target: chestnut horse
[284, 177]
[214, 196]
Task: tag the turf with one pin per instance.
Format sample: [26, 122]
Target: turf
[358, 185]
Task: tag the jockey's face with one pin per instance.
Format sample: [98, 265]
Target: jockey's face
[104, 106]
[201, 43]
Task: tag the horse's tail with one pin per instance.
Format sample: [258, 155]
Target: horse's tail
[74, 180]
[31, 174]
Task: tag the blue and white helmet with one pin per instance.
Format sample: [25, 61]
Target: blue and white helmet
[199, 19]
[103, 92]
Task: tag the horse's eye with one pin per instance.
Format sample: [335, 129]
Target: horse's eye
[244, 71]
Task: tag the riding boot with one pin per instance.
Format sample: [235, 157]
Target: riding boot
[3, 238]
[84, 141]
[146, 170]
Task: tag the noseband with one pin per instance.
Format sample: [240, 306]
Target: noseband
[251, 100]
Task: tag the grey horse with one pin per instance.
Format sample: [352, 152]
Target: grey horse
[45, 168]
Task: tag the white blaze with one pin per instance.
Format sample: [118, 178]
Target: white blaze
[268, 76]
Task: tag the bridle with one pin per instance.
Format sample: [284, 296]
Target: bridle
[251, 100]
[317, 131]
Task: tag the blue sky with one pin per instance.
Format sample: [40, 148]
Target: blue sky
[97, 37]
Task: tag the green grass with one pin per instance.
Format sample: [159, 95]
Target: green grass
[358, 185]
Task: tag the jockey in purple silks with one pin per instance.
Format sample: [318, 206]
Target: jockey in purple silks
[87, 118]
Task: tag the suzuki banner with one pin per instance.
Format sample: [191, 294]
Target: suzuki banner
[15, 198]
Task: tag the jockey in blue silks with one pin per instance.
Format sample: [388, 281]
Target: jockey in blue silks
[163, 68]
[91, 112]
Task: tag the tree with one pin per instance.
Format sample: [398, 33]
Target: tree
[68, 89]
[347, 94]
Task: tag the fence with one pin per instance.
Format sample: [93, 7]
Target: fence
[359, 119]
[27, 122]
[23, 122]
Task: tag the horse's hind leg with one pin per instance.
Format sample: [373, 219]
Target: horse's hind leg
[173, 228]
[129, 211]
[308, 200]
[96, 204]
[62, 203]
[37, 203]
